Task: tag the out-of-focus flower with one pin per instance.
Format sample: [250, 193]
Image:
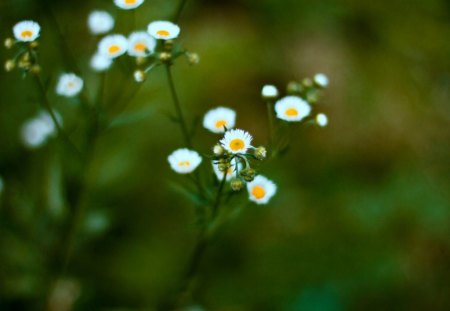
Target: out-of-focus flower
[139, 76]
[26, 31]
[35, 132]
[236, 141]
[113, 46]
[163, 30]
[322, 119]
[128, 4]
[99, 62]
[321, 80]
[100, 22]
[269, 91]
[184, 161]
[261, 190]
[69, 85]
[218, 118]
[292, 109]
[140, 44]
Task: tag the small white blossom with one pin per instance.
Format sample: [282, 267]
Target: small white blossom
[218, 118]
[113, 46]
[139, 76]
[128, 4]
[69, 85]
[100, 22]
[35, 132]
[184, 161]
[140, 44]
[99, 62]
[322, 119]
[236, 141]
[261, 190]
[292, 109]
[26, 31]
[269, 91]
[321, 79]
[163, 30]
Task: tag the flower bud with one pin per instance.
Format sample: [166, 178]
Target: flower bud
[9, 42]
[236, 184]
[321, 80]
[10, 65]
[193, 58]
[34, 44]
[164, 56]
[35, 69]
[260, 153]
[307, 83]
[139, 76]
[218, 150]
[294, 87]
[269, 92]
[168, 45]
[322, 120]
[248, 174]
[312, 97]
[140, 60]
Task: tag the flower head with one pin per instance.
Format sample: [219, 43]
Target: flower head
[292, 108]
[269, 91]
[128, 4]
[322, 119]
[230, 170]
[100, 22]
[184, 161]
[261, 190]
[113, 46]
[140, 44]
[99, 62]
[163, 30]
[217, 119]
[69, 85]
[236, 141]
[26, 31]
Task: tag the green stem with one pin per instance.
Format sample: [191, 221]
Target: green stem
[176, 102]
[271, 123]
[180, 8]
[218, 196]
[46, 105]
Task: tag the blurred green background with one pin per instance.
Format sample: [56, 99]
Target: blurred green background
[361, 220]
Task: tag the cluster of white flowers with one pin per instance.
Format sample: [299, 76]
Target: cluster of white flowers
[36, 131]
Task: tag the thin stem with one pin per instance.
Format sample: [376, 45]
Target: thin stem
[46, 105]
[176, 102]
[271, 123]
[218, 196]
[177, 15]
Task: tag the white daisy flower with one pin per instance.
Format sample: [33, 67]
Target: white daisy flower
[113, 46]
[261, 190]
[184, 161]
[269, 91]
[99, 62]
[216, 119]
[100, 22]
[292, 108]
[230, 172]
[321, 79]
[26, 31]
[164, 30]
[128, 4]
[140, 44]
[236, 141]
[69, 85]
[35, 132]
[322, 119]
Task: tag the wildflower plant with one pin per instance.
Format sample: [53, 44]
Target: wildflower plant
[234, 162]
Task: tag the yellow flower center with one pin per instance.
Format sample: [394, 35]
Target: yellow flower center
[71, 85]
[258, 192]
[291, 112]
[163, 33]
[237, 144]
[113, 49]
[140, 47]
[184, 163]
[130, 2]
[220, 124]
[26, 34]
